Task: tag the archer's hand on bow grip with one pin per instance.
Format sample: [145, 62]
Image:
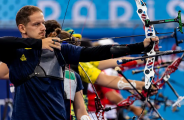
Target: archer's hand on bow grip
[147, 41]
[50, 43]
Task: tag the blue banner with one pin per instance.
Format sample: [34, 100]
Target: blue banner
[97, 11]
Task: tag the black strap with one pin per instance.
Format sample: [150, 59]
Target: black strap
[38, 72]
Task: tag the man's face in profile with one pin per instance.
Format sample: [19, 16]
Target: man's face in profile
[35, 28]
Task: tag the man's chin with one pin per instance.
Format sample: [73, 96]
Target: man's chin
[42, 37]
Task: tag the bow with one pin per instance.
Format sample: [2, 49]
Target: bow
[149, 68]
[150, 32]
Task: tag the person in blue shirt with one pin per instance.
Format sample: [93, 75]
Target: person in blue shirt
[37, 74]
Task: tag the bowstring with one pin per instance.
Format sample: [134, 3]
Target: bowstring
[79, 64]
[66, 63]
[65, 14]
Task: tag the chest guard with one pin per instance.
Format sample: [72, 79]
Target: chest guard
[50, 65]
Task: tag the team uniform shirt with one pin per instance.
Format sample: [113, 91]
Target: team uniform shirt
[92, 71]
[38, 98]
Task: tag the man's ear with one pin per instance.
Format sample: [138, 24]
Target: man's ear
[22, 28]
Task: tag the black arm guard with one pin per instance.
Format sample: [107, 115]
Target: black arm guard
[122, 50]
[119, 50]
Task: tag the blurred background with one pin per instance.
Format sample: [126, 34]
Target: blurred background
[104, 18]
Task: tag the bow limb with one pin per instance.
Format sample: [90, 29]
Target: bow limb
[170, 69]
[165, 77]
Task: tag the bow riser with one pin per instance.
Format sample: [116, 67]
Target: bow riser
[149, 32]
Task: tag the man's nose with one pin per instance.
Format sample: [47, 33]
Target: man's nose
[43, 27]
